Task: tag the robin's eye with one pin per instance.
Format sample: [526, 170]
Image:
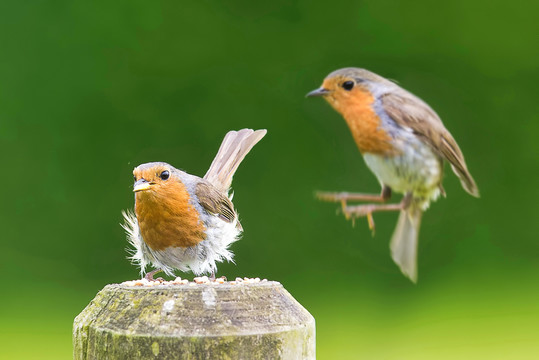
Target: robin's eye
[165, 175]
[347, 85]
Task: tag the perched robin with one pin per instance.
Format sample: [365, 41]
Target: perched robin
[404, 143]
[185, 222]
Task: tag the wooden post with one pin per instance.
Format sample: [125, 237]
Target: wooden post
[242, 320]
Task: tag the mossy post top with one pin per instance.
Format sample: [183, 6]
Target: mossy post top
[195, 321]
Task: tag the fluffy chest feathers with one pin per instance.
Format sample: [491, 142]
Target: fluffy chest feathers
[364, 123]
[167, 219]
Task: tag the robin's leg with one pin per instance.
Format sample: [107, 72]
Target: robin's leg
[149, 276]
[212, 276]
[343, 197]
[353, 212]
[346, 196]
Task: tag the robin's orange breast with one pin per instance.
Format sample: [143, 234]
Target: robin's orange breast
[166, 218]
[364, 123]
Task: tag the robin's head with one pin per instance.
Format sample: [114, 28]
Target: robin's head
[165, 214]
[346, 86]
[154, 178]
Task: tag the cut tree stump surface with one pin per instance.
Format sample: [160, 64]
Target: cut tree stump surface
[194, 321]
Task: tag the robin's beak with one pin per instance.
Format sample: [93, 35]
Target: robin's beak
[141, 185]
[318, 92]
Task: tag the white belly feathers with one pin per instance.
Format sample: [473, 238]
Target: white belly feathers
[417, 169]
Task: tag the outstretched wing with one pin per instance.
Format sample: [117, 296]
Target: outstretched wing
[409, 111]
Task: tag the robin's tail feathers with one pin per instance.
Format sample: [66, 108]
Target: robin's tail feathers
[234, 147]
[404, 241]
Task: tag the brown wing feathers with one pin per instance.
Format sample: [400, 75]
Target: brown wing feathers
[409, 111]
[215, 201]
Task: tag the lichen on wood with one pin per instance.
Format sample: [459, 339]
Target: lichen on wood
[202, 321]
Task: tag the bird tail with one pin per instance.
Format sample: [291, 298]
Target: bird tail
[404, 240]
[234, 147]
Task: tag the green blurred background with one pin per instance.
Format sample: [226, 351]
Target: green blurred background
[88, 90]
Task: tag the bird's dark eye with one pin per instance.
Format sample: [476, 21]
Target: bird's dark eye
[347, 85]
[165, 175]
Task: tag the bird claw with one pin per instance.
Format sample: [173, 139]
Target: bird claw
[358, 211]
[372, 226]
[149, 276]
[352, 213]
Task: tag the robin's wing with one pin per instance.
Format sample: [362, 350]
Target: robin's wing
[409, 111]
[215, 202]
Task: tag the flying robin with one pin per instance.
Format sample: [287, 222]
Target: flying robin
[404, 143]
[185, 222]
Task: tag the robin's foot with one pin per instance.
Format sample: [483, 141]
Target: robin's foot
[353, 212]
[149, 276]
[343, 197]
